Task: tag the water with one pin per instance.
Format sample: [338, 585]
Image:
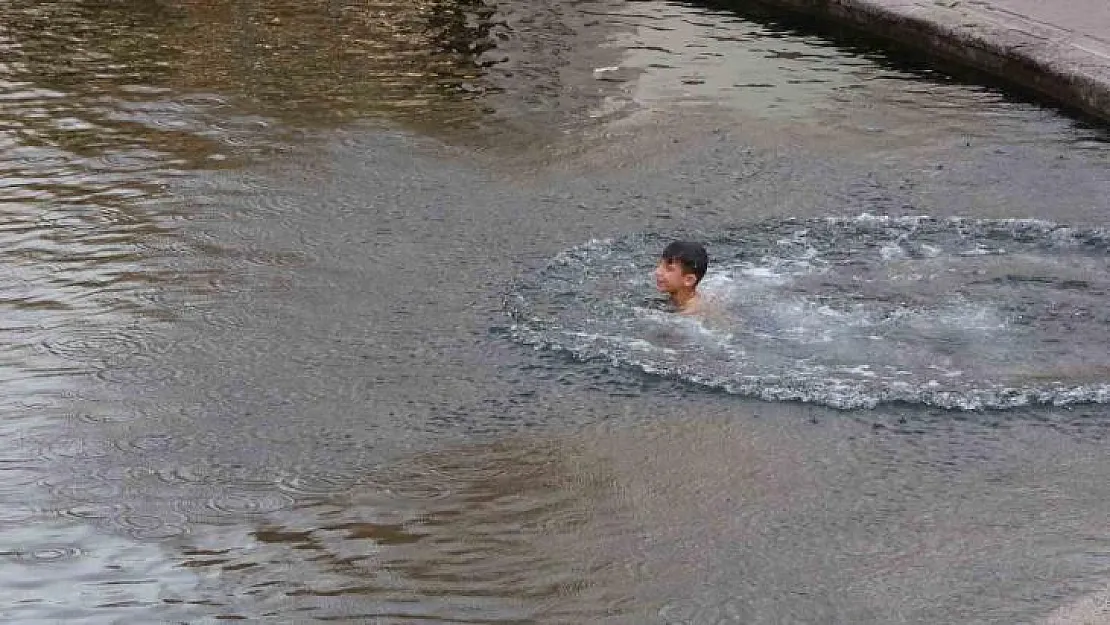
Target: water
[848, 312]
[258, 363]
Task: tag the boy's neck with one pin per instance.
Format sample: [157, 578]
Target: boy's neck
[682, 299]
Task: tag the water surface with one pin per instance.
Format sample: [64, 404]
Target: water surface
[847, 311]
[258, 365]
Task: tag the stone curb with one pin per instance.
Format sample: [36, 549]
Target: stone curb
[1066, 67]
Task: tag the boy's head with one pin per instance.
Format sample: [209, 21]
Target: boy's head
[681, 267]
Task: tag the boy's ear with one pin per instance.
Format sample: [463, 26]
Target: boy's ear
[689, 280]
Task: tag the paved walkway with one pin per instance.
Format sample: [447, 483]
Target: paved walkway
[1060, 48]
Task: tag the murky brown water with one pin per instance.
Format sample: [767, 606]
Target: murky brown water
[253, 258]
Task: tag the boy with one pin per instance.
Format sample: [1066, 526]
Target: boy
[681, 267]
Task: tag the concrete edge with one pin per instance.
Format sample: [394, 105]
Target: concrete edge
[1056, 64]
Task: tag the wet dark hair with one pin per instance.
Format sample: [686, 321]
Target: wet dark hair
[692, 256]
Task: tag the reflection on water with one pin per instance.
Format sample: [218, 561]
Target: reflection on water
[252, 257]
[330, 61]
[486, 72]
[716, 519]
[482, 534]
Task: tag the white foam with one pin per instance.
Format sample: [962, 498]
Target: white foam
[892, 252]
[849, 312]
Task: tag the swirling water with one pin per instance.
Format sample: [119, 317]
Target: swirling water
[256, 363]
[955, 313]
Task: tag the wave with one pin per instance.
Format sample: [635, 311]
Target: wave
[850, 312]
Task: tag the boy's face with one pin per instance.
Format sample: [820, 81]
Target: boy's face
[671, 278]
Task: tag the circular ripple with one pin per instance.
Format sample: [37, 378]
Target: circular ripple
[420, 480]
[849, 312]
[249, 503]
[98, 415]
[154, 442]
[151, 526]
[76, 448]
[219, 474]
[317, 484]
[153, 372]
[104, 347]
[88, 489]
[91, 511]
[79, 344]
[232, 506]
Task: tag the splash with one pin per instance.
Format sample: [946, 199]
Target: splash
[848, 312]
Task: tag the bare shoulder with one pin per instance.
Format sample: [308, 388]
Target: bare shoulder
[706, 308]
[694, 307]
[700, 305]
